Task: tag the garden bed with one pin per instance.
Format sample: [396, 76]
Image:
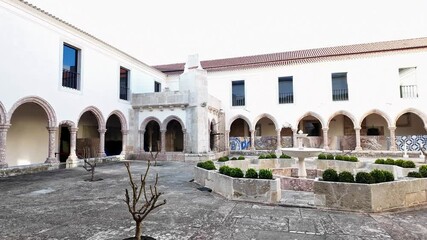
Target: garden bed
[338, 165]
[370, 197]
[397, 171]
[243, 189]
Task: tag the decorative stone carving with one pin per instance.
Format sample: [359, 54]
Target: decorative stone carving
[3, 136]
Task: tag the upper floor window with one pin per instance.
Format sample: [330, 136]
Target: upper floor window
[157, 87]
[286, 90]
[339, 87]
[124, 83]
[238, 93]
[408, 82]
[71, 67]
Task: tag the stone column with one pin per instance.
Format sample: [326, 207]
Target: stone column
[252, 140]
[392, 138]
[73, 139]
[358, 146]
[294, 137]
[3, 138]
[141, 140]
[124, 141]
[279, 139]
[227, 140]
[184, 144]
[101, 152]
[163, 140]
[51, 151]
[325, 138]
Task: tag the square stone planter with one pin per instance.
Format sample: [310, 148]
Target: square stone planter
[371, 197]
[244, 189]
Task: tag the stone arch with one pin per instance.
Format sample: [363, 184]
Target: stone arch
[345, 113]
[313, 114]
[266, 115]
[147, 120]
[414, 111]
[97, 113]
[236, 117]
[121, 117]
[2, 114]
[164, 125]
[379, 112]
[51, 116]
[69, 123]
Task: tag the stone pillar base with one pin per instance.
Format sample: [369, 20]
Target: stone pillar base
[52, 160]
[357, 149]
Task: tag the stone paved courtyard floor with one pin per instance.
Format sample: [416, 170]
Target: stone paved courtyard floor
[59, 204]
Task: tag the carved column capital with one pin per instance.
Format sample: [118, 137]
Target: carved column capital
[102, 130]
[125, 132]
[4, 127]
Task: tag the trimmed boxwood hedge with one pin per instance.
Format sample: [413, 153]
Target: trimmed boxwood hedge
[330, 175]
[323, 156]
[236, 172]
[414, 174]
[398, 162]
[346, 176]
[251, 173]
[364, 177]
[241, 158]
[208, 165]
[265, 174]
[223, 159]
[423, 170]
[284, 156]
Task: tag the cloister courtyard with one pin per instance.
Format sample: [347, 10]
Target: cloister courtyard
[60, 204]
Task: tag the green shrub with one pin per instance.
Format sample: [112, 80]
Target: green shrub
[233, 158]
[389, 161]
[265, 174]
[389, 177]
[346, 177]
[379, 161]
[330, 175]
[364, 177]
[267, 156]
[262, 156]
[399, 162]
[208, 165]
[273, 155]
[354, 159]
[251, 173]
[236, 172]
[222, 159]
[330, 156]
[241, 158]
[284, 156]
[321, 156]
[225, 170]
[414, 174]
[346, 158]
[423, 170]
[408, 164]
[378, 175]
[339, 157]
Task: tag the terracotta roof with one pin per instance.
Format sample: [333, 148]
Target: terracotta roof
[302, 56]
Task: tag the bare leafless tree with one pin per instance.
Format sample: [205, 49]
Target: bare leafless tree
[154, 157]
[88, 166]
[142, 199]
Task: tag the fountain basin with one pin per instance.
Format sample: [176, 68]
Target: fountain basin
[302, 152]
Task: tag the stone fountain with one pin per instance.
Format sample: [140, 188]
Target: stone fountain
[301, 153]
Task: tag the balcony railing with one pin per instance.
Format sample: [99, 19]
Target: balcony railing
[340, 94]
[408, 91]
[70, 79]
[124, 92]
[286, 97]
[238, 101]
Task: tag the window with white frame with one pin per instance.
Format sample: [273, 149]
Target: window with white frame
[408, 82]
[339, 87]
[71, 67]
[238, 93]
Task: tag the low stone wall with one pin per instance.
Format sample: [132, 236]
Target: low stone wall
[397, 171]
[243, 189]
[371, 197]
[289, 179]
[339, 166]
[293, 172]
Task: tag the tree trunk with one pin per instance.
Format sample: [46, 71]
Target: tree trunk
[138, 230]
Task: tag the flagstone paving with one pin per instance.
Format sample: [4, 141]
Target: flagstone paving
[59, 204]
